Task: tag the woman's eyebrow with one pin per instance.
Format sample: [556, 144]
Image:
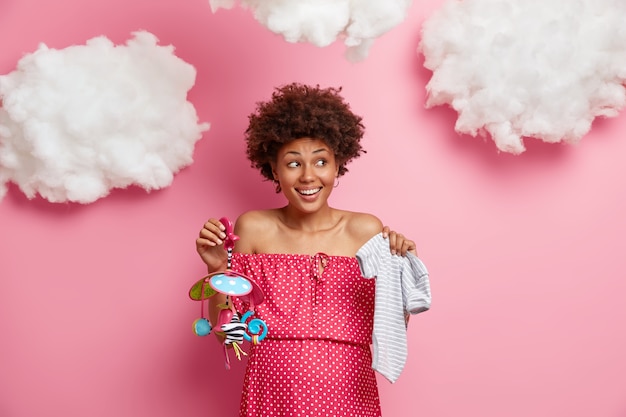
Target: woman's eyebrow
[298, 153]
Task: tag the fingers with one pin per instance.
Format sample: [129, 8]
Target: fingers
[398, 243]
[212, 233]
[408, 246]
[208, 245]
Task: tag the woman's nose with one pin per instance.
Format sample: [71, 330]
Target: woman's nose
[307, 173]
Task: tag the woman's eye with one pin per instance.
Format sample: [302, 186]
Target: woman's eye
[321, 163]
[293, 164]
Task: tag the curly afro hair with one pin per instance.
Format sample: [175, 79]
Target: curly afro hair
[298, 111]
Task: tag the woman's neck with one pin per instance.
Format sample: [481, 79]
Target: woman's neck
[319, 221]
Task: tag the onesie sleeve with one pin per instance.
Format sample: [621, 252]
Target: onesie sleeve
[415, 285]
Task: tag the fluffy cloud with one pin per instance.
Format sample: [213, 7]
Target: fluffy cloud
[80, 121]
[513, 69]
[321, 22]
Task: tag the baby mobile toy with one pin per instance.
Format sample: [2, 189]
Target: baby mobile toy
[234, 328]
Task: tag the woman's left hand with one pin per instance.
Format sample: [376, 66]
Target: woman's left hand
[398, 243]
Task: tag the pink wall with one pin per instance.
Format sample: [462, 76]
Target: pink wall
[526, 253]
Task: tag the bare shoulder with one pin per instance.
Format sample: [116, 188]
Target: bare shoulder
[251, 227]
[363, 226]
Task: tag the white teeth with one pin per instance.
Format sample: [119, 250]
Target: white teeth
[309, 192]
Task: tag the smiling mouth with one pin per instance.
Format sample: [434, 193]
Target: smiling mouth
[310, 191]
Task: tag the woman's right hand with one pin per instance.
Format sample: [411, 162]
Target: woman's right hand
[210, 247]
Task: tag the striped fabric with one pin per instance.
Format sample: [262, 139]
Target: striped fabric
[402, 288]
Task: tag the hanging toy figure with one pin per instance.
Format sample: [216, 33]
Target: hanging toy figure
[202, 327]
[232, 284]
[234, 332]
[257, 329]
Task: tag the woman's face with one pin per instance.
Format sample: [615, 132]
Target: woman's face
[306, 171]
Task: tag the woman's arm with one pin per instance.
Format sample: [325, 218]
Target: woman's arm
[210, 247]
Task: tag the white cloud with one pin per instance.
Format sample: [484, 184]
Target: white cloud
[542, 69]
[321, 22]
[77, 122]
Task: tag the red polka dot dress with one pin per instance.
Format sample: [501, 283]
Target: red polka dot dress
[316, 359]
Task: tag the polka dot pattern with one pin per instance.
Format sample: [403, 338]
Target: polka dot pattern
[230, 285]
[316, 359]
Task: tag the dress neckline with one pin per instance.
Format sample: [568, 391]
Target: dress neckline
[291, 255]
